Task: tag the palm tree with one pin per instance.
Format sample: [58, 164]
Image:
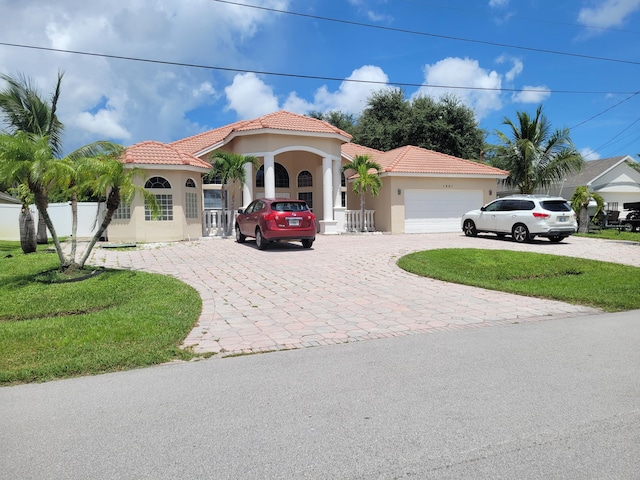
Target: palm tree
[580, 204]
[24, 110]
[367, 179]
[230, 168]
[104, 173]
[535, 156]
[27, 160]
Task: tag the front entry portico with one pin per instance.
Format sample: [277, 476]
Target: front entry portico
[302, 172]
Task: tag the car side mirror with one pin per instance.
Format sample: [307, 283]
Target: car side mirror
[482, 209]
[241, 210]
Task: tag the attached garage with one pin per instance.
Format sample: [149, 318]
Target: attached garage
[431, 211]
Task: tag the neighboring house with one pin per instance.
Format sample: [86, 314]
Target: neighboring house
[299, 157]
[613, 178]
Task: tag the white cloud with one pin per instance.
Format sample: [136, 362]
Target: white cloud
[498, 3]
[125, 100]
[351, 96]
[589, 154]
[531, 94]
[372, 15]
[249, 96]
[609, 13]
[516, 69]
[464, 72]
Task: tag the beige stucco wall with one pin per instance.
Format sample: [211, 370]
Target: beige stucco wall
[295, 153]
[137, 229]
[389, 204]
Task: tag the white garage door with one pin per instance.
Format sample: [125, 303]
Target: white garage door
[429, 211]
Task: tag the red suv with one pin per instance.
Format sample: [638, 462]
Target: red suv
[272, 220]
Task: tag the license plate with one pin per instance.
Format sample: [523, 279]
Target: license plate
[294, 222]
[562, 219]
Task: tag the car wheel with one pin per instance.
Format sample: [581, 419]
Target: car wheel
[628, 227]
[240, 238]
[469, 228]
[307, 243]
[520, 233]
[556, 238]
[261, 243]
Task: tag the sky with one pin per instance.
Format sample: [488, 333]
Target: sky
[167, 69]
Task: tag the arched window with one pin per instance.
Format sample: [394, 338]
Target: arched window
[305, 179]
[281, 174]
[190, 183]
[343, 181]
[165, 201]
[157, 182]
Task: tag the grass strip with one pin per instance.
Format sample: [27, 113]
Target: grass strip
[113, 321]
[607, 286]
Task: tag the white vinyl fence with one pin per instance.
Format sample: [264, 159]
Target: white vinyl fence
[60, 214]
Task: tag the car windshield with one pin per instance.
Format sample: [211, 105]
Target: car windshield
[556, 205]
[289, 206]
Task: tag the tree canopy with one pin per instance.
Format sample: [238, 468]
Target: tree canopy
[535, 156]
[391, 121]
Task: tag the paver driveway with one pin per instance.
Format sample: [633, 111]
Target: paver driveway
[346, 288]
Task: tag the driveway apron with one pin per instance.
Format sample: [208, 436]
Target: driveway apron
[346, 288]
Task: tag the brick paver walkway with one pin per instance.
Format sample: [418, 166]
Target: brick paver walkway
[347, 288]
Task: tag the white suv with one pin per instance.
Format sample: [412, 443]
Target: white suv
[523, 217]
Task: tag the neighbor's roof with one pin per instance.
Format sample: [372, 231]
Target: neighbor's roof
[5, 198]
[156, 153]
[418, 160]
[593, 169]
[281, 120]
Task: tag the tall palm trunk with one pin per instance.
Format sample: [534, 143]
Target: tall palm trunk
[362, 223]
[74, 227]
[41, 204]
[113, 201]
[41, 236]
[27, 231]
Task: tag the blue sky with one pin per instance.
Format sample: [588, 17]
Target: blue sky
[579, 59]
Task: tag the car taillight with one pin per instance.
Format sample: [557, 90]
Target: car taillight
[269, 216]
[541, 215]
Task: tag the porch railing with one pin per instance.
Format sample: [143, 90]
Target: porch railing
[213, 222]
[354, 221]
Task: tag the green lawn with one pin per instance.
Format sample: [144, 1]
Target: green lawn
[115, 320]
[612, 234]
[603, 285]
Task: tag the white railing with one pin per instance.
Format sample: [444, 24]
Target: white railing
[354, 221]
[213, 223]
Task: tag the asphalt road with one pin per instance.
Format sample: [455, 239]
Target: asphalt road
[541, 400]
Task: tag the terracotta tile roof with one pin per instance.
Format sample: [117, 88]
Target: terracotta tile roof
[353, 149]
[411, 159]
[281, 120]
[156, 153]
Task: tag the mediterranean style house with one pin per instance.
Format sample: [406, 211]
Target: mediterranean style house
[299, 157]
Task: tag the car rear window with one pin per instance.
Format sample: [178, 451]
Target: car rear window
[289, 206]
[556, 205]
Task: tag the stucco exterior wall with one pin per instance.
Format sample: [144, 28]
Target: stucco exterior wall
[390, 203]
[137, 229]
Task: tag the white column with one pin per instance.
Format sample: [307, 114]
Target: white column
[327, 189]
[337, 198]
[247, 188]
[328, 224]
[269, 176]
[339, 212]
